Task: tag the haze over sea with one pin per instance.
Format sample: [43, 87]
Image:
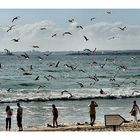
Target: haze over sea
[116, 72]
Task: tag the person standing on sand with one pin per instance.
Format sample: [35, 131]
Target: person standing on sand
[19, 117]
[55, 115]
[134, 111]
[8, 117]
[92, 112]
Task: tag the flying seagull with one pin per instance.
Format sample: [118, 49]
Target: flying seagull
[43, 28]
[10, 28]
[71, 20]
[15, 18]
[65, 91]
[35, 46]
[54, 35]
[92, 18]
[79, 27]
[15, 40]
[122, 28]
[67, 33]
[86, 38]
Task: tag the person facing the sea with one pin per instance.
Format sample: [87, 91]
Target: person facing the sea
[134, 111]
[55, 115]
[19, 117]
[8, 117]
[92, 112]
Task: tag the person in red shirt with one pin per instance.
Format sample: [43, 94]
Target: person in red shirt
[55, 115]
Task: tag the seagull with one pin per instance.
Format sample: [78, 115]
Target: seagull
[65, 91]
[8, 52]
[31, 67]
[94, 78]
[79, 27]
[10, 28]
[35, 46]
[15, 40]
[40, 87]
[90, 50]
[67, 33]
[22, 69]
[8, 90]
[71, 20]
[122, 29]
[69, 66]
[86, 38]
[57, 64]
[15, 18]
[50, 76]
[43, 28]
[81, 85]
[92, 18]
[134, 82]
[108, 12]
[37, 78]
[135, 91]
[54, 35]
[46, 78]
[25, 56]
[26, 73]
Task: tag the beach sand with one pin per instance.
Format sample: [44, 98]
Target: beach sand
[129, 126]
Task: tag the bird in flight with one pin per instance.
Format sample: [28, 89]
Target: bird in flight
[35, 46]
[15, 18]
[37, 78]
[10, 28]
[65, 91]
[79, 27]
[122, 28]
[92, 18]
[86, 38]
[108, 12]
[25, 56]
[71, 20]
[15, 40]
[43, 28]
[54, 35]
[81, 85]
[67, 33]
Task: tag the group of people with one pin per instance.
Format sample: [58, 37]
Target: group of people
[92, 112]
[9, 113]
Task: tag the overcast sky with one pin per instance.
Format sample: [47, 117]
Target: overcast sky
[103, 32]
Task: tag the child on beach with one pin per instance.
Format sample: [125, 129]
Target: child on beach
[55, 115]
[134, 111]
[92, 112]
[8, 118]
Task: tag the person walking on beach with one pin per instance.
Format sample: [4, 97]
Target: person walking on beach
[134, 111]
[8, 117]
[55, 115]
[19, 117]
[92, 112]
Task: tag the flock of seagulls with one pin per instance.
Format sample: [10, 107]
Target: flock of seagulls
[73, 67]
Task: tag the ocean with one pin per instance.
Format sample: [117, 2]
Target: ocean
[70, 82]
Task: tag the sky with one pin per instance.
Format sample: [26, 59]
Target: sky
[103, 32]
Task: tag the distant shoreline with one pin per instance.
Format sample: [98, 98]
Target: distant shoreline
[98, 52]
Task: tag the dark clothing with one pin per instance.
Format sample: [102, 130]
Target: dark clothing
[19, 121]
[8, 123]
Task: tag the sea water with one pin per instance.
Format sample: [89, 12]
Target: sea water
[95, 72]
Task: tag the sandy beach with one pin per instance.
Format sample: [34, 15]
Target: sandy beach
[128, 126]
